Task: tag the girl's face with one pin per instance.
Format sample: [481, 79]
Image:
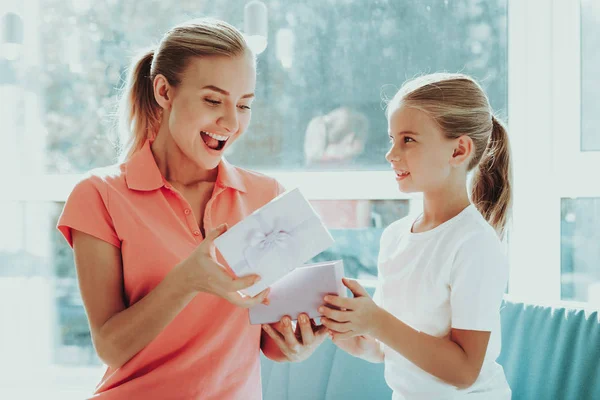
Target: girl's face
[420, 153]
[210, 108]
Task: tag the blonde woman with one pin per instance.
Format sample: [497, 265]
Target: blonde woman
[164, 312]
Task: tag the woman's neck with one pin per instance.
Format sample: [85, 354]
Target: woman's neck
[176, 167]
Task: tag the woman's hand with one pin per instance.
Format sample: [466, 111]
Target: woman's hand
[200, 272]
[295, 345]
[354, 316]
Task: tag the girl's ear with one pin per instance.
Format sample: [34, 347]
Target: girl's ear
[463, 148]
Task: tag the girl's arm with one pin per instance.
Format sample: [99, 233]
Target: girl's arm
[455, 359]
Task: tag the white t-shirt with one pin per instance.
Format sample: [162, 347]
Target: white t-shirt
[453, 276]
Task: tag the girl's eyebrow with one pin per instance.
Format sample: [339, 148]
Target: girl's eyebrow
[406, 133]
[225, 92]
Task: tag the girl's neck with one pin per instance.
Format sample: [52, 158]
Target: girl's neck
[441, 206]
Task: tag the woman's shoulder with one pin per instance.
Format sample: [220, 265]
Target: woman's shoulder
[100, 179]
[257, 183]
[253, 177]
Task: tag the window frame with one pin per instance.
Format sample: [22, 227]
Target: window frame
[544, 104]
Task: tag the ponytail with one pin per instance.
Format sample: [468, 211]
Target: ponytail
[492, 183]
[139, 113]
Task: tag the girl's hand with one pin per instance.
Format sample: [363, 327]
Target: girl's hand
[364, 347]
[354, 316]
[296, 345]
[201, 272]
[354, 346]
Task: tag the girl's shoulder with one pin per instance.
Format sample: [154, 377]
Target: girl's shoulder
[396, 230]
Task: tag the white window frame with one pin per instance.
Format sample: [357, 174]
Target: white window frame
[544, 89]
[544, 98]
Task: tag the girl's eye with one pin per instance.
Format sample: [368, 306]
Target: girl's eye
[213, 102]
[408, 140]
[245, 107]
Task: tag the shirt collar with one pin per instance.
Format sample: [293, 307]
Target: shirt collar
[143, 174]
[230, 176]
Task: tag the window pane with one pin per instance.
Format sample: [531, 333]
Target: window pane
[356, 226]
[580, 253]
[44, 336]
[590, 80]
[320, 78]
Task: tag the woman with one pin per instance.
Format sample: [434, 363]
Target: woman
[164, 311]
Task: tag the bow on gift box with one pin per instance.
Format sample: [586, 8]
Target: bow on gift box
[265, 241]
[273, 247]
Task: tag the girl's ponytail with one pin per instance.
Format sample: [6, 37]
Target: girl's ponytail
[492, 187]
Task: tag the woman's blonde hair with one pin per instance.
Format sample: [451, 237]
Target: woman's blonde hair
[139, 113]
[459, 106]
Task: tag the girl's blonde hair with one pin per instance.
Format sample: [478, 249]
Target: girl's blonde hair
[460, 107]
[139, 113]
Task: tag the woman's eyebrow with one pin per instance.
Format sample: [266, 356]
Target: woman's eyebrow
[225, 92]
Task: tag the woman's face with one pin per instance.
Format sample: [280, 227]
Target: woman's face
[210, 107]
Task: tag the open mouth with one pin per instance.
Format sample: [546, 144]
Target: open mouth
[402, 174]
[214, 141]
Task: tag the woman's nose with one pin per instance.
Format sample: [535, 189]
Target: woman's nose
[229, 121]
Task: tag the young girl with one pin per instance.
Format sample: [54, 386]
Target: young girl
[436, 323]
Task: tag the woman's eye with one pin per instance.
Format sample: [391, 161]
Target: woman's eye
[408, 140]
[244, 107]
[213, 102]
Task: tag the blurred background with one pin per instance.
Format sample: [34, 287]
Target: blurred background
[324, 69]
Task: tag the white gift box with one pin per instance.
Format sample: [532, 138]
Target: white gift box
[301, 291]
[274, 240]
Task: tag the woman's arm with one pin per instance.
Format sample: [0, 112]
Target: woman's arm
[119, 333]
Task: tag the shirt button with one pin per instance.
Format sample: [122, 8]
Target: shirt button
[197, 233]
[186, 211]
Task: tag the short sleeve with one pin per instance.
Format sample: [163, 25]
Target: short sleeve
[86, 210]
[279, 189]
[478, 281]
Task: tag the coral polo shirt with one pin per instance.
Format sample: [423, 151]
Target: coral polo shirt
[210, 350]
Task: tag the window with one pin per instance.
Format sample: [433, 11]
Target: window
[590, 81]
[318, 101]
[318, 123]
[579, 203]
[580, 253]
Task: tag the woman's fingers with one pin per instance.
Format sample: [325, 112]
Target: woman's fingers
[306, 329]
[276, 336]
[246, 301]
